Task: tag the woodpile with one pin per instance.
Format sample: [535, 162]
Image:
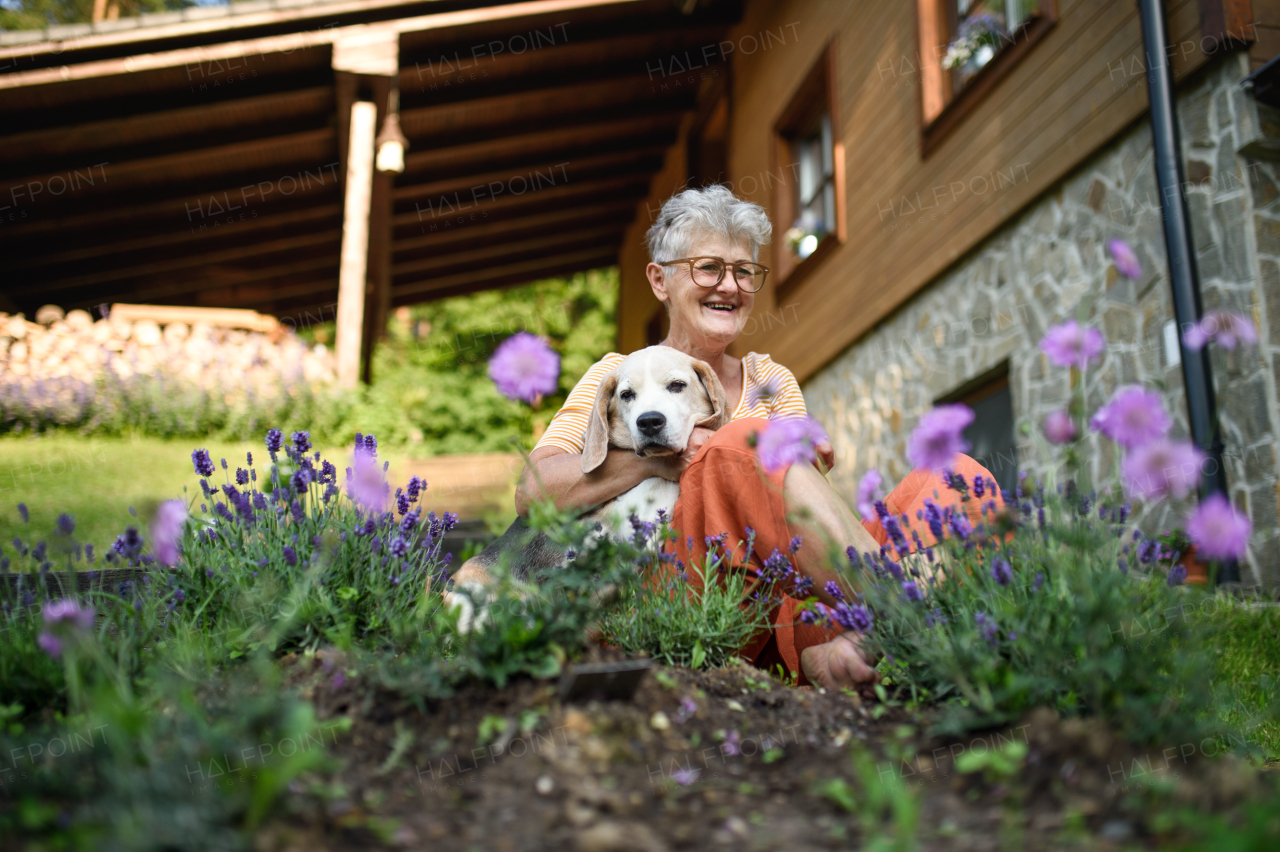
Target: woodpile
[212, 348]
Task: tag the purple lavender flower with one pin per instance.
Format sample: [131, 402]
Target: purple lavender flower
[1177, 575]
[290, 556]
[50, 644]
[242, 476]
[1072, 345]
[402, 502]
[275, 440]
[939, 436]
[795, 544]
[960, 526]
[22, 510]
[1133, 417]
[803, 586]
[203, 464]
[1162, 467]
[789, 441]
[88, 553]
[301, 442]
[730, 746]
[911, 591]
[833, 589]
[1001, 571]
[414, 488]
[297, 512]
[1059, 428]
[1148, 551]
[867, 488]
[524, 367]
[1038, 581]
[1126, 259]
[855, 617]
[1218, 529]
[399, 546]
[987, 627]
[300, 478]
[166, 531]
[1225, 328]
[66, 524]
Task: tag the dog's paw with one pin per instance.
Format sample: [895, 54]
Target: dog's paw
[471, 601]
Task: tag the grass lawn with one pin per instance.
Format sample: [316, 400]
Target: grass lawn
[96, 480]
[1251, 651]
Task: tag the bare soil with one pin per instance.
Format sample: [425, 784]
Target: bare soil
[615, 775]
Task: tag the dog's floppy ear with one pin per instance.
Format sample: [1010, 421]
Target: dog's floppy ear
[597, 440]
[715, 392]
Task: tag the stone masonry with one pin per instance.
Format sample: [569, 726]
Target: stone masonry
[1049, 265]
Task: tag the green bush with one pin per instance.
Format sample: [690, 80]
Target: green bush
[1045, 604]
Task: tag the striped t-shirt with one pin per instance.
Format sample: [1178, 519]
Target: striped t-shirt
[768, 390]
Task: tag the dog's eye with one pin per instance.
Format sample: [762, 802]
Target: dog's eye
[676, 387]
[627, 395]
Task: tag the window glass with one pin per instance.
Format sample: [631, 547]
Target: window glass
[991, 435]
[981, 29]
[815, 189]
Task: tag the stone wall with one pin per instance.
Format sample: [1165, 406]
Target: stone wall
[1049, 265]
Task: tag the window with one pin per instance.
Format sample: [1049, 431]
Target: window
[990, 435]
[807, 176]
[967, 47]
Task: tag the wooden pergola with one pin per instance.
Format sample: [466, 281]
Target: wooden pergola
[227, 160]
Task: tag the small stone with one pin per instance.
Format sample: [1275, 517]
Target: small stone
[544, 785]
[733, 705]
[16, 327]
[736, 826]
[176, 332]
[659, 721]
[79, 320]
[577, 722]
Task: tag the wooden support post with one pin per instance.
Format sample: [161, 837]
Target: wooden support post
[355, 242]
[378, 295]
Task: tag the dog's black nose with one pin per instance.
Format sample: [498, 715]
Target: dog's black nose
[651, 423]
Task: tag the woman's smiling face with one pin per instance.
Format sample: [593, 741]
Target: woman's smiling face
[706, 316]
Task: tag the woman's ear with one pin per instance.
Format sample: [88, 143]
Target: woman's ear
[596, 444]
[657, 276]
[715, 393]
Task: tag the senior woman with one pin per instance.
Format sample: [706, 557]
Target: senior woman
[704, 249]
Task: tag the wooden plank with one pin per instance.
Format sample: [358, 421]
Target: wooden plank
[547, 243]
[217, 317]
[269, 44]
[486, 232]
[530, 270]
[165, 125]
[586, 192]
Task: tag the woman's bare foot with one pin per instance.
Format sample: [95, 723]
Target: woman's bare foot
[840, 662]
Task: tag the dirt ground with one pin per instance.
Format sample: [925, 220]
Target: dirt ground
[658, 772]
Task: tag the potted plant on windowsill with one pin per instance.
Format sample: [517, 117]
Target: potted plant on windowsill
[1184, 552]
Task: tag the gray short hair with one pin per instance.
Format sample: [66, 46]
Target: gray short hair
[715, 211]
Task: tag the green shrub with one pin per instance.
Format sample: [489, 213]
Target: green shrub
[1047, 604]
[679, 627]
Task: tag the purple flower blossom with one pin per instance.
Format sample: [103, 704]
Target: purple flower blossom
[399, 546]
[1001, 571]
[415, 488]
[1177, 575]
[301, 442]
[911, 591]
[795, 544]
[987, 627]
[833, 589]
[1218, 529]
[688, 707]
[867, 488]
[275, 440]
[1133, 417]
[22, 510]
[1162, 467]
[290, 556]
[365, 482]
[1072, 345]
[242, 476]
[203, 464]
[789, 441]
[939, 436]
[50, 644]
[67, 613]
[855, 617]
[1225, 328]
[1126, 259]
[66, 524]
[730, 746]
[960, 526]
[524, 367]
[1059, 428]
[166, 531]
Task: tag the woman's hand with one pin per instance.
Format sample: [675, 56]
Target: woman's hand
[827, 454]
[840, 662]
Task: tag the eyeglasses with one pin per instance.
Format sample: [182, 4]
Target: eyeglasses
[709, 272]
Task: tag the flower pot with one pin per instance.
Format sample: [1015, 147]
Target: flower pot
[1197, 570]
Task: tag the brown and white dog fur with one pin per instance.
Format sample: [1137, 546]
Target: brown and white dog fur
[650, 403]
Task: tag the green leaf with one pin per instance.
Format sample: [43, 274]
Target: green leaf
[840, 792]
[699, 655]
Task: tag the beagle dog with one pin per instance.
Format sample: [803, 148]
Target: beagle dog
[650, 404]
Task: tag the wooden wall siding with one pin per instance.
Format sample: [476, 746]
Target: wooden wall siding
[1266, 28]
[1080, 87]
